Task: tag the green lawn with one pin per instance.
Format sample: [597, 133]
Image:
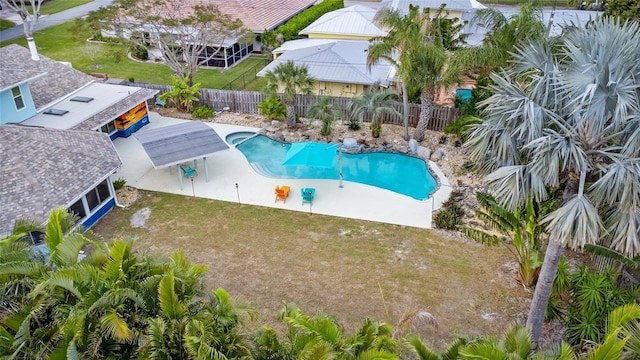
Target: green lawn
[351, 268]
[6, 24]
[55, 6]
[63, 43]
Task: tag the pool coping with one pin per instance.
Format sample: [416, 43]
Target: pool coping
[229, 168]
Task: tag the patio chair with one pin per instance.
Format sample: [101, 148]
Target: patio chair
[307, 195]
[161, 102]
[188, 171]
[282, 192]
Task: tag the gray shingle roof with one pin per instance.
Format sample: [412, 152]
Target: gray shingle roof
[47, 168]
[354, 20]
[10, 77]
[178, 143]
[58, 81]
[341, 61]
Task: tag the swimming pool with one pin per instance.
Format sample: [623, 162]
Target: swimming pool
[403, 174]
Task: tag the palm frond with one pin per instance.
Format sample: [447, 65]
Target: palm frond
[481, 236]
[417, 346]
[621, 316]
[170, 305]
[114, 326]
[611, 348]
[575, 223]
[612, 254]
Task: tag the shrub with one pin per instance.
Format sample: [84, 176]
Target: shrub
[450, 216]
[291, 29]
[202, 112]
[119, 184]
[354, 123]
[140, 52]
[273, 108]
[461, 126]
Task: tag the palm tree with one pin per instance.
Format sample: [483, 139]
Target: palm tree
[291, 80]
[372, 105]
[522, 226]
[429, 64]
[569, 120]
[415, 45]
[503, 37]
[322, 337]
[325, 112]
[516, 344]
[402, 31]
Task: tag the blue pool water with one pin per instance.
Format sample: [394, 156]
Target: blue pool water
[396, 172]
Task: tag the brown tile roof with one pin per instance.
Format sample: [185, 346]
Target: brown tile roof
[115, 110]
[256, 15]
[58, 81]
[46, 168]
[259, 15]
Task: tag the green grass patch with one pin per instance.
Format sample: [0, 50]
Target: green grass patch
[6, 24]
[64, 43]
[55, 6]
[324, 263]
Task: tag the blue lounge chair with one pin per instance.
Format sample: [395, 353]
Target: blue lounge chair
[307, 195]
[161, 102]
[188, 171]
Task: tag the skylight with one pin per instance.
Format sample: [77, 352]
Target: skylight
[57, 112]
[84, 99]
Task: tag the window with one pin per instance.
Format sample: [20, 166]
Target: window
[108, 127]
[17, 98]
[97, 195]
[78, 209]
[91, 200]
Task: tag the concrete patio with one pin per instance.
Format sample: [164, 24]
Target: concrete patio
[229, 168]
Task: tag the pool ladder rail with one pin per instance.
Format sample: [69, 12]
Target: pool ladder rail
[245, 139]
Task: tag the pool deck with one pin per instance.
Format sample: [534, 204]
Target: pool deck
[229, 167]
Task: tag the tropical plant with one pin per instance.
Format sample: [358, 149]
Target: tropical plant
[322, 337]
[108, 303]
[450, 215]
[371, 106]
[291, 80]
[202, 112]
[522, 226]
[183, 95]
[273, 108]
[590, 296]
[119, 183]
[516, 344]
[417, 346]
[504, 37]
[461, 126]
[326, 112]
[569, 120]
[625, 9]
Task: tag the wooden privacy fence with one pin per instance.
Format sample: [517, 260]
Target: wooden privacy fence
[247, 102]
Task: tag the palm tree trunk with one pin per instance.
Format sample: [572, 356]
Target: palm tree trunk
[426, 106]
[543, 289]
[291, 115]
[405, 111]
[547, 275]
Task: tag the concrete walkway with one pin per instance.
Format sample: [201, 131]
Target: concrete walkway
[46, 21]
[229, 167]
